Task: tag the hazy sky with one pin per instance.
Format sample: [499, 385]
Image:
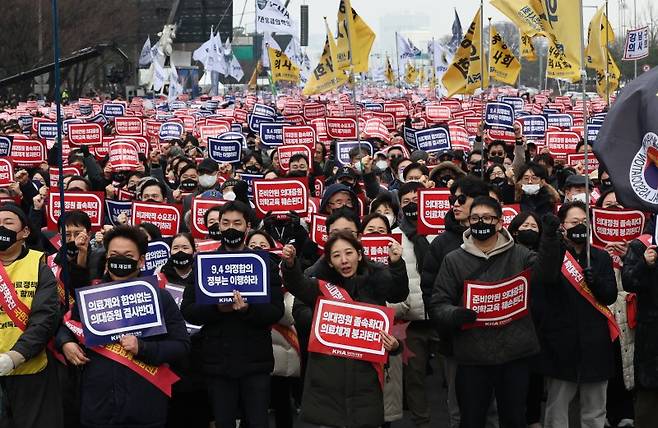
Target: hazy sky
[418, 19]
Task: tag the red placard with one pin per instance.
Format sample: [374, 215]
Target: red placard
[561, 143]
[613, 225]
[471, 123]
[85, 134]
[437, 113]
[285, 152]
[375, 247]
[319, 233]
[341, 127]
[280, 196]
[53, 172]
[153, 128]
[499, 134]
[25, 152]
[217, 121]
[399, 110]
[130, 126]
[459, 138]
[375, 128]
[6, 172]
[387, 118]
[199, 208]
[92, 203]
[123, 155]
[509, 212]
[313, 111]
[166, 217]
[214, 131]
[433, 205]
[574, 159]
[321, 130]
[295, 135]
[498, 303]
[350, 330]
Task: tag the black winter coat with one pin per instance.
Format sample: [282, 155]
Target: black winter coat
[341, 392]
[236, 344]
[113, 395]
[642, 279]
[574, 336]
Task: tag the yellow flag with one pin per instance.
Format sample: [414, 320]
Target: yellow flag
[596, 47]
[362, 38]
[527, 48]
[564, 61]
[432, 81]
[613, 78]
[281, 67]
[253, 81]
[325, 77]
[526, 14]
[464, 75]
[390, 76]
[410, 74]
[503, 65]
[421, 76]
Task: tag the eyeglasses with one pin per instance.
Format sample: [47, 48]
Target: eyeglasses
[486, 219]
[576, 222]
[530, 179]
[461, 199]
[501, 154]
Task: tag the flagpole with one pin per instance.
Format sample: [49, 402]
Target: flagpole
[397, 60]
[583, 79]
[635, 25]
[58, 109]
[482, 74]
[518, 82]
[348, 17]
[607, 52]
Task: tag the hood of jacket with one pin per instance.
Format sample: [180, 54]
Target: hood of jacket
[504, 243]
[332, 190]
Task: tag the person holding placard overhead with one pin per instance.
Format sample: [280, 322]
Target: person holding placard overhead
[29, 315]
[236, 342]
[342, 392]
[112, 392]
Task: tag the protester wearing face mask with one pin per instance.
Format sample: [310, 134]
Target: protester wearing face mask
[500, 179]
[188, 405]
[492, 361]
[532, 191]
[577, 353]
[236, 340]
[341, 392]
[252, 164]
[82, 260]
[525, 228]
[574, 188]
[385, 205]
[29, 386]
[189, 184]
[445, 173]
[463, 192]
[126, 250]
[605, 183]
[476, 163]
[211, 221]
[208, 171]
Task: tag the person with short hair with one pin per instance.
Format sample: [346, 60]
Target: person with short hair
[111, 394]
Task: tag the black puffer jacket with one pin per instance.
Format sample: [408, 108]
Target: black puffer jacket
[235, 344]
[488, 346]
[338, 391]
[574, 336]
[640, 278]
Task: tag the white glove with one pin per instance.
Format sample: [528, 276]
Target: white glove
[6, 364]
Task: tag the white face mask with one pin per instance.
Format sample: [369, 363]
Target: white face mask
[390, 218]
[228, 196]
[207, 181]
[530, 189]
[381, 165]
[582, 197]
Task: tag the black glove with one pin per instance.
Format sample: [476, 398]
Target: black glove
[463, 316]
[550, 225]
[84, 149]
[590, 278]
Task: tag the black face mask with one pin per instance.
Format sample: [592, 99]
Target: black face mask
[7, 238]
[119, 177]
[482, 231]
[252, 169]
[121, 266]
[410, 211]
[181, 259]
[528, 237]
[151, 201]
[476, 170]
[214, 233]
[71, 250]
[498, 181]
[188, 185]
[606, 184]
[497, 159]
[443, 181]
[578, 234]
[298, 173]
[232, 237]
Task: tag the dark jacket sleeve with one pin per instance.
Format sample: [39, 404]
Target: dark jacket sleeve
[445, 296]
[604, 287]
[44, 316]
[636, 275]
[301, 286]
[94, 173]
[431, 265]
[199, 314]
[373, 189]
[64, 336]
[172, 346]
[395, 282]
[266, 314]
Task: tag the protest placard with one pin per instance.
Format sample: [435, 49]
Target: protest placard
[217, 275]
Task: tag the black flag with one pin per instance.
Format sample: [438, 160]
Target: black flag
[627, 144]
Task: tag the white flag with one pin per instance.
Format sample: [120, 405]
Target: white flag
[175, 88]
[637, 44]
[268, 40]
[146, 55]
[406, 51]
[235, 70]
[159, 75]
[441, 58]
[273, 17]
